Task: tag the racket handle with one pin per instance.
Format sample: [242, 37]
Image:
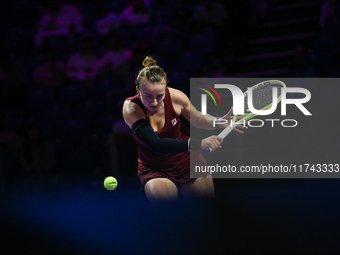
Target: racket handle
[227, 130]
[230, 128]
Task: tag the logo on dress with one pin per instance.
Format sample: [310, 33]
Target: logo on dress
[174, 121]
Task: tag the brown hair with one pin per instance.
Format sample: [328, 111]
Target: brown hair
[151, 71]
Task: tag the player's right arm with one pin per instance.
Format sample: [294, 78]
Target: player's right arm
[132, 112]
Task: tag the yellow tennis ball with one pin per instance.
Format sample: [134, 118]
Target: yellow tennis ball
[110, 183]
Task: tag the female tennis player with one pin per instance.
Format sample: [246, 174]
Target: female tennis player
[162, 140]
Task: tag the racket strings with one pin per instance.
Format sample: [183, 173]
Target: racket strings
[262, 96]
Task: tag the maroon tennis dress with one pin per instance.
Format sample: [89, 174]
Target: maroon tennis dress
[175, 167]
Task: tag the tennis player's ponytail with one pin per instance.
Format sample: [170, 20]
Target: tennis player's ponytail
[151, 71]
[149, 61]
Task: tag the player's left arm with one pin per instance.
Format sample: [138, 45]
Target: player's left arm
[183, 106]
[196, 118]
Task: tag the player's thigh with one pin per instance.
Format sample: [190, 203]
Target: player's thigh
[158, 189]
[201, 187]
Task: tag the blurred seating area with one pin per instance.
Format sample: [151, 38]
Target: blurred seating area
[68, 65]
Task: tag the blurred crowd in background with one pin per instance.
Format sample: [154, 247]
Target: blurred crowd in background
[67, 66]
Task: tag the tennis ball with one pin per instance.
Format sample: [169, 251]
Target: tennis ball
[110, 183]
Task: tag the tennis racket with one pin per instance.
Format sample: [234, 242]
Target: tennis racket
[262, 95]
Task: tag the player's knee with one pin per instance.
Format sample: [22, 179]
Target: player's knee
[202, 187]
[206, 188]
[159, 191]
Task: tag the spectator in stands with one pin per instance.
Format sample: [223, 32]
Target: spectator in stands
[59, 19]
[52, 72]
[116, 62]
[137, 13]
[209, 14]
[38, 153]
[82, 65]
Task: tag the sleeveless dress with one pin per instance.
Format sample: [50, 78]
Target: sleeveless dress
[175, 167]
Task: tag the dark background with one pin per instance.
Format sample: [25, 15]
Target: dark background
[67, 210]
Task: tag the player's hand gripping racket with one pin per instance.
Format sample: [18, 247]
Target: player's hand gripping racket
[262, 95]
